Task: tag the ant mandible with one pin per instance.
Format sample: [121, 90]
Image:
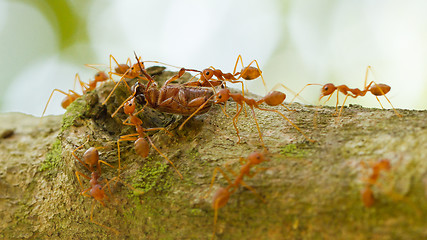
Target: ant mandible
[222, 195]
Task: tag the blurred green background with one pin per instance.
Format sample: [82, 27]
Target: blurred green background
[44, 43]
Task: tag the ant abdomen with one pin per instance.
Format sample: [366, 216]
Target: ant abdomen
[250, 73]
[380, 89]
[274, 98]
[220, 198]
[142, 148]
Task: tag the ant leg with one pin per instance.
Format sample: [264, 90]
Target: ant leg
[237, 61]
[287, 119]
[296, 95]
[257, 126]
[253, 191]
[99, 165]
[78, 179]
[215, 219]
[117, 84]
[84, 193]
[93, 66]
[216, 170]
[398, 114]
[290, 110]
[379, 102]
[345, 99]
[336, 105]
[166, 64]
[195, 112]
[128, 137]
[84, 86]
[235, 118]
[175, 77]
[157, 129]
[73, 153]
[164, 156]
[110, 73]
[259, 71]
[57, 90]
[224, 109]
[99, 224]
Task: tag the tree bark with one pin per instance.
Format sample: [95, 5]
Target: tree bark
[311, 190]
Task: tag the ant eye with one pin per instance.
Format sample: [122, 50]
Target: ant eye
[208, 73]
[326, 88]
[97, 75]
[219, 96]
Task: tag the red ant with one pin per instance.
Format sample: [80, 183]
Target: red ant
[96, 190]
[376, 90]
[273, 98]
[222, 195]
[71, 96]
[247, 73]
[141, 145]
[367, 194]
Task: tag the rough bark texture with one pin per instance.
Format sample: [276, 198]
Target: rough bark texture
[312, 190]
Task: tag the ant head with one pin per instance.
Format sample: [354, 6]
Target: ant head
[129, 106]
[223, 95]
[101, 76]
[256, 158]
[384, 164]
[97, 192]
[328, 89]
[207, 73]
